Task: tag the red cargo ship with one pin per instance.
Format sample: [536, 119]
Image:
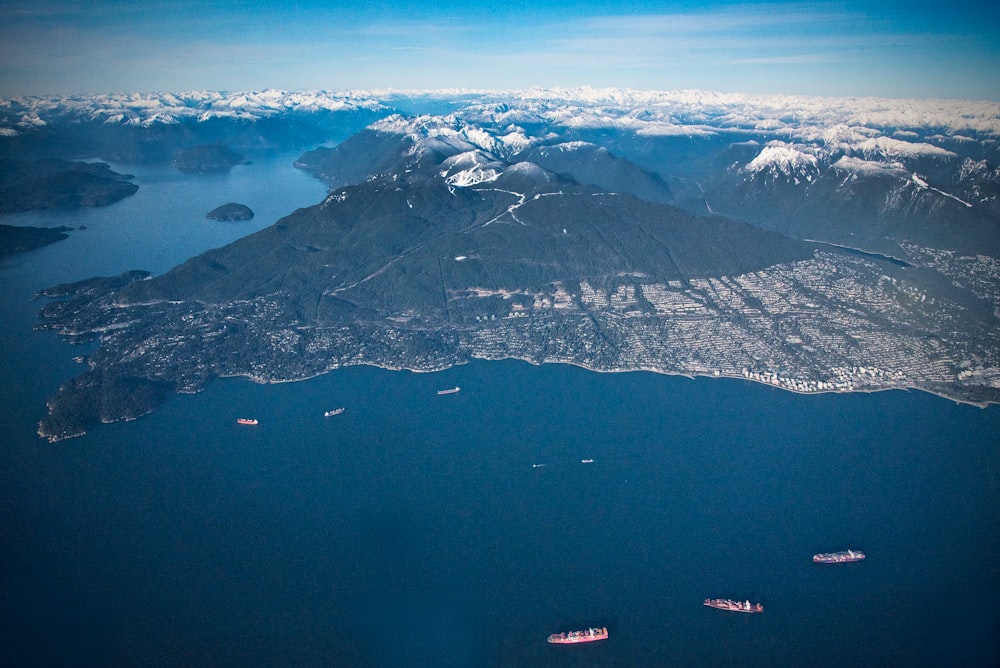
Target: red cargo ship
[590, 635]
[246, 421]
[734, 606]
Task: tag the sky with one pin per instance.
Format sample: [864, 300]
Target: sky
[890, 48]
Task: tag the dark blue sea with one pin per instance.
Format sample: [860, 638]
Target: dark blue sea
[460, 530]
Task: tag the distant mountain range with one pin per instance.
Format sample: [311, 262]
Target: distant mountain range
[921, 171]
[814, 244]
[163, 128]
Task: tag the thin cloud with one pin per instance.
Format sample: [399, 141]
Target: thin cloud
[722, 21]
[799, 59]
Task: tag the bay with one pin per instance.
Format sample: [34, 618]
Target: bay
[460, 530]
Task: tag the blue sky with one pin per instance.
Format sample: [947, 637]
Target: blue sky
[890, 49]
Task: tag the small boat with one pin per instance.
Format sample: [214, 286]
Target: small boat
[590, 635]
[586, 461]
[246, 421]
[454, 390]
[335, 411]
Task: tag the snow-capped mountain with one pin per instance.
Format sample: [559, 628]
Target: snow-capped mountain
[780, 160]
[930, 168]
[800, 119]
[154, 128]
[145, 110]
[467, 154]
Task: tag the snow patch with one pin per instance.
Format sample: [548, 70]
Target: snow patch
[516, 141]
[470, 168]
[528, 169]
[895, 148]
[923, 185]
[472, 177]
[852, 164]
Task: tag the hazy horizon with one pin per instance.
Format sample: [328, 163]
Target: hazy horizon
[848, 49]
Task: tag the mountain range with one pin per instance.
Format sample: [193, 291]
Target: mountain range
[923, 171]
[814, 244]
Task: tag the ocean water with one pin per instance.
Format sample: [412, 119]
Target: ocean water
[460, 530]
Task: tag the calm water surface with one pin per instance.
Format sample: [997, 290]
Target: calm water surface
[416, 530]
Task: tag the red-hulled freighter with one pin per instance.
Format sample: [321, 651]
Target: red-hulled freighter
[838, 557]
[735, 606]
[590, 635]
[246, 421]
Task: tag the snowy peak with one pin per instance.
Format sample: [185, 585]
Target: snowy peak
[427, 136]
[146, 110]
[453, 134]
[525, 177]
[779, 160]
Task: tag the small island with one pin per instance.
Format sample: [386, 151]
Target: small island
[230, 212]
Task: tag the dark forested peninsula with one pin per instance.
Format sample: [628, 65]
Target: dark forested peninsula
[17, 239]
[26, 185]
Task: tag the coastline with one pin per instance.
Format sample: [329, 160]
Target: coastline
[692, 375]
[81, 429]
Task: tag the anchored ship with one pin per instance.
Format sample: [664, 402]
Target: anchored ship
[453, 390]
[589, 635]
[734, 606]
[246, 421]
[335, 411]
[838, 557]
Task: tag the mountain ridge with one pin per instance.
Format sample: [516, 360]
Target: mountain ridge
[517, 229]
